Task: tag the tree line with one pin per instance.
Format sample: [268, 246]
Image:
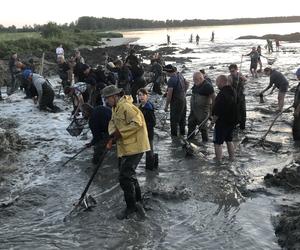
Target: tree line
[105, 23]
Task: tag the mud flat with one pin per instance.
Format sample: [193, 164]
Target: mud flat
[287, 224]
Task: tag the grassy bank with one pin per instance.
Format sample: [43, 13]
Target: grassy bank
[32, 43]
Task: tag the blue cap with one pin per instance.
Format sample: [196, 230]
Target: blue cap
[298, 72]
[27, 73]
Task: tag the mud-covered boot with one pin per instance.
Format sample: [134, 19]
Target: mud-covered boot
[140, 210]
[125, 213]
[150, 164]
[155, 161]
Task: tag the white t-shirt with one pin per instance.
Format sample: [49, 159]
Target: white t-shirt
[59, 51]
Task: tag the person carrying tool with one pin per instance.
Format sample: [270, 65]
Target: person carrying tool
[279, 81]
[203, 96]
[128, 129]
[98, 118]
[296, 122]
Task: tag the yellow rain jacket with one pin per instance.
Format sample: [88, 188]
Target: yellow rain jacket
[129, 120]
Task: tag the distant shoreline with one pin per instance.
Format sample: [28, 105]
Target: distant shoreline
[293, 37]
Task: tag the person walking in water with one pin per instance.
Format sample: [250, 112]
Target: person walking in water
[197, 39]
[168, 39]
[128, 129]
[279, 81]
[254, 56]
[212, 39]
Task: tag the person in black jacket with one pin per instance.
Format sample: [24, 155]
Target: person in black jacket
[147, 109]
[99, 118]
[225, 117]
[296, 104]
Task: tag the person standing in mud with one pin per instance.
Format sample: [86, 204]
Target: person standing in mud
[98, 118]
[176, 98]
[123, 73]
[197, 39]
[203, 96]
[238, 81]
[14, 70]
[64, 71]
[158, 78]
[259, 58]
[168, 39]
[279, 81]
[147, 109]
[41, 91]
[254, 56]
[59, 51]
[128, 129]
[212, 39]
[296, 105]
[78, 57]
[224, 116]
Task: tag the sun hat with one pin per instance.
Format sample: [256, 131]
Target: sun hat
[111, 90]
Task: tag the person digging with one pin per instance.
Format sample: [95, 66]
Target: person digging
[128, 129]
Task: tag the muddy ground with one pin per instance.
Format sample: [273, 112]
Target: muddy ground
[167, 198]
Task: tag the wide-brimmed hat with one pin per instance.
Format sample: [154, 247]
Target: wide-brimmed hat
[111, 90]
[169, 68]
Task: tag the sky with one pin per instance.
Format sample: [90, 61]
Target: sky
[29, 12]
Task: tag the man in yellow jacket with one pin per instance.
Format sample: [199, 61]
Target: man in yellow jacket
[128, 129]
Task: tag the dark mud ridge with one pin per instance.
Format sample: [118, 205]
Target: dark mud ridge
[287, 227]
[287, 224]
[293, 37]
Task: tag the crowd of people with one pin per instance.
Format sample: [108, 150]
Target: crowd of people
[116, 104]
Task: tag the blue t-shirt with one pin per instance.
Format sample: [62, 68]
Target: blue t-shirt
[177, 82]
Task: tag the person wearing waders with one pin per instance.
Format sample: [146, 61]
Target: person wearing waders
[176, 98]
[238, 81]
[203, 96]
[296, 122]
[128, 129]
[224, 116]
[98, 118]
[147, 109]
[279, 81]
[41, 91]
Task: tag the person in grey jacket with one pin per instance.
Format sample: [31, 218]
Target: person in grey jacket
[41, 91]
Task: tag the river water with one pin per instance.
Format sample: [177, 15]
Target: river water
[191, 202]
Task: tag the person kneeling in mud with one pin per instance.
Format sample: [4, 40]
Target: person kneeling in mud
[279, 82]
[147, 109]
[98, 118]
[128, 129]
[41, 91]
[296, 122]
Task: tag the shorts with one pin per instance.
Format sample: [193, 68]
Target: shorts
[222, 134]
[283, 88]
